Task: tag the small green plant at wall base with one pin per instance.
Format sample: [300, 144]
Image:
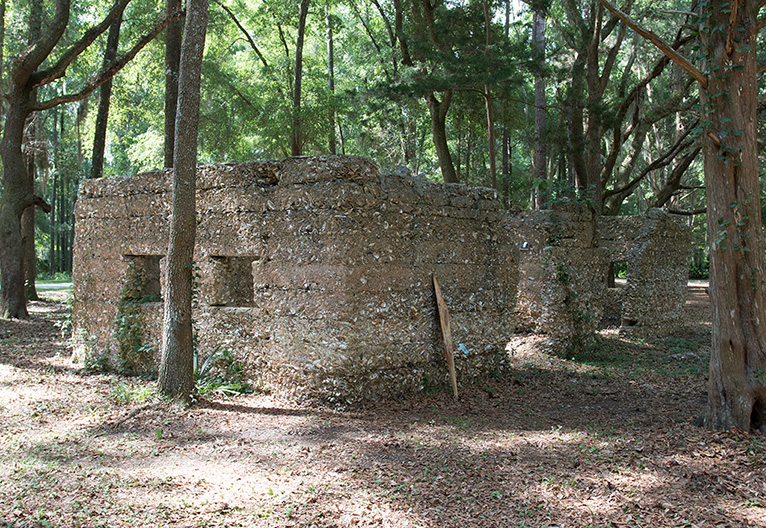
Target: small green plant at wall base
[219, 373]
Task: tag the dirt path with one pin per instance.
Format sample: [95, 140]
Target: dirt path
[606, 440]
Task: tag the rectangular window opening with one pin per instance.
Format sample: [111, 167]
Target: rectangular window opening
[143, 282]
[232, 281]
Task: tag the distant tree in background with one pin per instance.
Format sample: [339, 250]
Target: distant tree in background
[29, 73]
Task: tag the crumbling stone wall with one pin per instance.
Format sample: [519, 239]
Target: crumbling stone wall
[656, 248]
[314, 272]
[563, 272]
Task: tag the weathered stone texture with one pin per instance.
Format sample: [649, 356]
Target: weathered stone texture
[657, 250]
[561, 273]
[564, 265]
[314, 272]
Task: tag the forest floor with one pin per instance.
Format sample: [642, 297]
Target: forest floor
[605, 439]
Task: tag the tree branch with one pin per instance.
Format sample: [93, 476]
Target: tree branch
[41, 203]
[386, 22]
[687, 213]
[366, 27]
[659, 43]
[674, 181]
[662, 161]
[58, 70]
[106, 74]
[43, 47]
[244, 32]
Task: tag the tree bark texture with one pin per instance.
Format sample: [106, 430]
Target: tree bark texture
[330, 79]
[173, 36]
[438, 110]
[104, 98]
[296, 146]
[540, 155]
[176, 375]
[737, 382]
[13, 201]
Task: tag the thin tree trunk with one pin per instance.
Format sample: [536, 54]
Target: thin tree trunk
[296, 147]
[506, 164]
[488, 101]
[176, 375]
[541, 177]
[438, 110]
[330, 78]
[2, 56]
[173, 36]
[105, 95]
[28, 217]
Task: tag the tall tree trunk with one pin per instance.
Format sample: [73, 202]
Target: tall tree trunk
[488, 101]
[506, 164]
[173, 36]
[540, 156]
[13, 201]
[105, 95]
[330, 78]
[2, 55]
[296, 146]
[176, 376]
[737, 382]
[28, 216]
[438, 110]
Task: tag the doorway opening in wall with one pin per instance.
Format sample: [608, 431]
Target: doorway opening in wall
[615, 282]
[617, 273]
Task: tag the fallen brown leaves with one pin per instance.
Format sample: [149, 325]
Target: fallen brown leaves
[605, 440]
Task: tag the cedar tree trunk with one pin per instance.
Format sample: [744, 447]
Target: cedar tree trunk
[173, 36]
[737, 383]
[296, 147]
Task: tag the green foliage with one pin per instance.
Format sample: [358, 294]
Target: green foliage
[699, 269]
[124, 393]
[583, 338]
[134, 356]
[219, 373]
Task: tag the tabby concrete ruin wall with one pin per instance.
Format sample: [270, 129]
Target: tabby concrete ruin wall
[656, 250]
[561, 273]
[315, 273]
[564, 264]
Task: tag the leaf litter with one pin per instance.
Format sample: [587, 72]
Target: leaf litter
[606, 439]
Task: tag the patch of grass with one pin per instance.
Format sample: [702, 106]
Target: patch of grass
[674, 357]
[124, 394]
[459, 421]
